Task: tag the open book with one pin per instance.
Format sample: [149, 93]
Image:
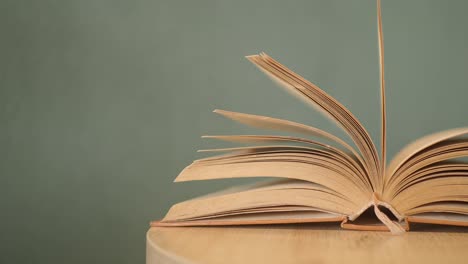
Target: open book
[321, 178]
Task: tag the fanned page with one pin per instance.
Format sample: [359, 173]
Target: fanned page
[427, 181]
[347, 177]
[318, 177]
[328, 180]
[313, 95]
[366, 161]
[279, 201]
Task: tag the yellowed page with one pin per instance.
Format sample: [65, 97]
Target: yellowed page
[449, 188]
[278, 139]
[263, 218]
[324, 161]
[434, 155]
[332, 108]
[283, 184]
[430, 172]
[323, 156]
[283, 169]
[383, 118]
[419, 145]
[260, 210]
[288, 126]
[313, 196]
[440, 218]
[440, 207]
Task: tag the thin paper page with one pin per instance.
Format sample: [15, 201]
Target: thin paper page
[328, 105]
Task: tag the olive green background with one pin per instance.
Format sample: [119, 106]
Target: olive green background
[102, 103]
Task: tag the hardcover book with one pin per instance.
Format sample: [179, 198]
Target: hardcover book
[320, 177]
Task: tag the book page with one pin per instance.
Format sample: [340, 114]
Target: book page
[454, 207]
[383, 118]
[423, 152]
[440, 218]
[312, 145]
[290, 217]
[437, 170]
[290, 195]
[313, 165]
[328, 105]
[425, 163]
[431, 181]
[440, 189]
[419, 145]
[289, 126]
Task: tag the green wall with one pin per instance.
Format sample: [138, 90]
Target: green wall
[102, 103]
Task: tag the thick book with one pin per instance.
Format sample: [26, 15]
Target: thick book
[321, 178]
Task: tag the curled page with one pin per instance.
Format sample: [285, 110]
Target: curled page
[329, 106]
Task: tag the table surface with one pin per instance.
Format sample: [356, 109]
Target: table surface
[312, 243]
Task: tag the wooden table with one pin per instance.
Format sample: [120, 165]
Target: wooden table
[313, 243]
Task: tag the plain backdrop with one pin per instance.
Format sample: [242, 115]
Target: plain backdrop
[103, 102]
